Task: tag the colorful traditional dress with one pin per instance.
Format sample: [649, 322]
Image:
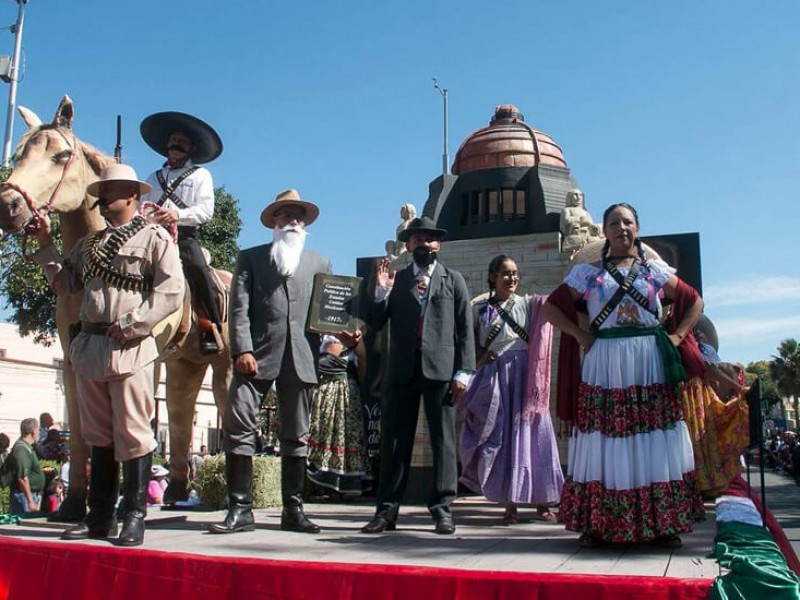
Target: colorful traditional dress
[508, 454]
[337, 456]
[631, 471]
[720, 431]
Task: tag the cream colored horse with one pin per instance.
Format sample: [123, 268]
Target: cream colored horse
[52, 169]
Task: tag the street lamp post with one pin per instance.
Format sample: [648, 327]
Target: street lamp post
[13, 78]
[445, 156]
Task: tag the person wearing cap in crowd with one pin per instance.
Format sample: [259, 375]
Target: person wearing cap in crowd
[131, 278]
[270, 296]
[157, 485]
[431, 354]
[184, 193]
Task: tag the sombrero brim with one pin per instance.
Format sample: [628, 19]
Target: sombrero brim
[404, 235]
[93, 189]
[706, 327]
[593, 252]
[157, 128]
[268, 214]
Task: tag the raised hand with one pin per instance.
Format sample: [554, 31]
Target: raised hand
[384, 274]
[43, 234]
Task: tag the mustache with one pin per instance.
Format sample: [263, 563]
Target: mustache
[178, 148]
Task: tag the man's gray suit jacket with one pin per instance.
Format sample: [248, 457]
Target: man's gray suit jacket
[268, 308]
[448, 343]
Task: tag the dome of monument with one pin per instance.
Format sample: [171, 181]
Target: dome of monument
[508, 141]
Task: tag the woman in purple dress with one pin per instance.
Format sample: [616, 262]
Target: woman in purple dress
[507, 446]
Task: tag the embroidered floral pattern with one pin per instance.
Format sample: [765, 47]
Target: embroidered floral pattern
[719, 432]
[629, 411]
[640, 515]
[337, 454]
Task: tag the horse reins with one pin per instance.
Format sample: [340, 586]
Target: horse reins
[33, 226]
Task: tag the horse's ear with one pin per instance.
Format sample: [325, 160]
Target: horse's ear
[29, 117]
[64, 113]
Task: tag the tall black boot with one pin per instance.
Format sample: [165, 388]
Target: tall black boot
[293, 478]
[103, 491]
[133, 508]
[239, 473]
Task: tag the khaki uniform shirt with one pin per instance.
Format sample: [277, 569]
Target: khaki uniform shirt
[149, 252]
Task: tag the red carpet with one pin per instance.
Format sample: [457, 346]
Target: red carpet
[49, 570]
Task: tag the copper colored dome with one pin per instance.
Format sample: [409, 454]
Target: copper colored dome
[507, 142]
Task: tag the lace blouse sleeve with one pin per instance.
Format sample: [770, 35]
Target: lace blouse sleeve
[660, 271]
[581, 277]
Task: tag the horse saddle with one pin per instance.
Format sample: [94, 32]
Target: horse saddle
[177, 330]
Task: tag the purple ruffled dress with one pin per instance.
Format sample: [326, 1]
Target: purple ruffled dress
[508, 452]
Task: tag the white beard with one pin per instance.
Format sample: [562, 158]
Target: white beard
[287, 246]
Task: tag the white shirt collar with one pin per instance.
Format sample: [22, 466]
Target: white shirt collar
[427, 272]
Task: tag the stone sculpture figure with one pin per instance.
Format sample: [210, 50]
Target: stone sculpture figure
[395, 248]
[576, 225]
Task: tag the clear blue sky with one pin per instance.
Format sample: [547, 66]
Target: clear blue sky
[688, 112]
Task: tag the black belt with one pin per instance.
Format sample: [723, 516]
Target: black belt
[95, 328]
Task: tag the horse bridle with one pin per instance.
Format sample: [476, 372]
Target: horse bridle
[34, 224]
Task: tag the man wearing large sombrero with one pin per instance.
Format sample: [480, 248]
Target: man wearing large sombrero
[269, 300]
[184, 193]
[132, 280]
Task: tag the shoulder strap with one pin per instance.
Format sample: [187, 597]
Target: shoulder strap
[493, 333]
[506, 316]
[637, 296]
[169, 189]
[623, 289]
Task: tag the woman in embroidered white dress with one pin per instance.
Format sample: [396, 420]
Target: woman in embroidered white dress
[631, 470]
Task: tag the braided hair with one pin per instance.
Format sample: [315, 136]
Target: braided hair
[494, 268]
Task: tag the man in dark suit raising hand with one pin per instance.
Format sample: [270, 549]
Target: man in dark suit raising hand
[431, 354]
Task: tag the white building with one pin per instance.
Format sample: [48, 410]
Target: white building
[31, 383]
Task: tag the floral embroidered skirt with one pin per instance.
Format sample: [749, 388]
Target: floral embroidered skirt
[720, 432]
[337, 457]
[631, 475]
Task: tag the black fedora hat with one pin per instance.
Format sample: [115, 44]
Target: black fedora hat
[421, 225]
[157, 128]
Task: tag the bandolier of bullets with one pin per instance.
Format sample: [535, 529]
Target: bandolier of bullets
[97, 259]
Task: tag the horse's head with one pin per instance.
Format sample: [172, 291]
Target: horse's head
[51, 169]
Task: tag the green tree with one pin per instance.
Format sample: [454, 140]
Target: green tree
[27, 293]
[219, 235]
[785, 370]
[760, 370]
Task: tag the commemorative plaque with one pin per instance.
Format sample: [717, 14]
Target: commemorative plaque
[334, 304]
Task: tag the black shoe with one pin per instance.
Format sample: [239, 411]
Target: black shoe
[445, 525]
[294, 519]
[133, 508]
[293, 479]
[239, 477]
[208, 343]
[86, 531]
[379, 524]
[239, 518]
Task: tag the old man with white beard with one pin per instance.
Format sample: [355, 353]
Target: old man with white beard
[270, 296]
